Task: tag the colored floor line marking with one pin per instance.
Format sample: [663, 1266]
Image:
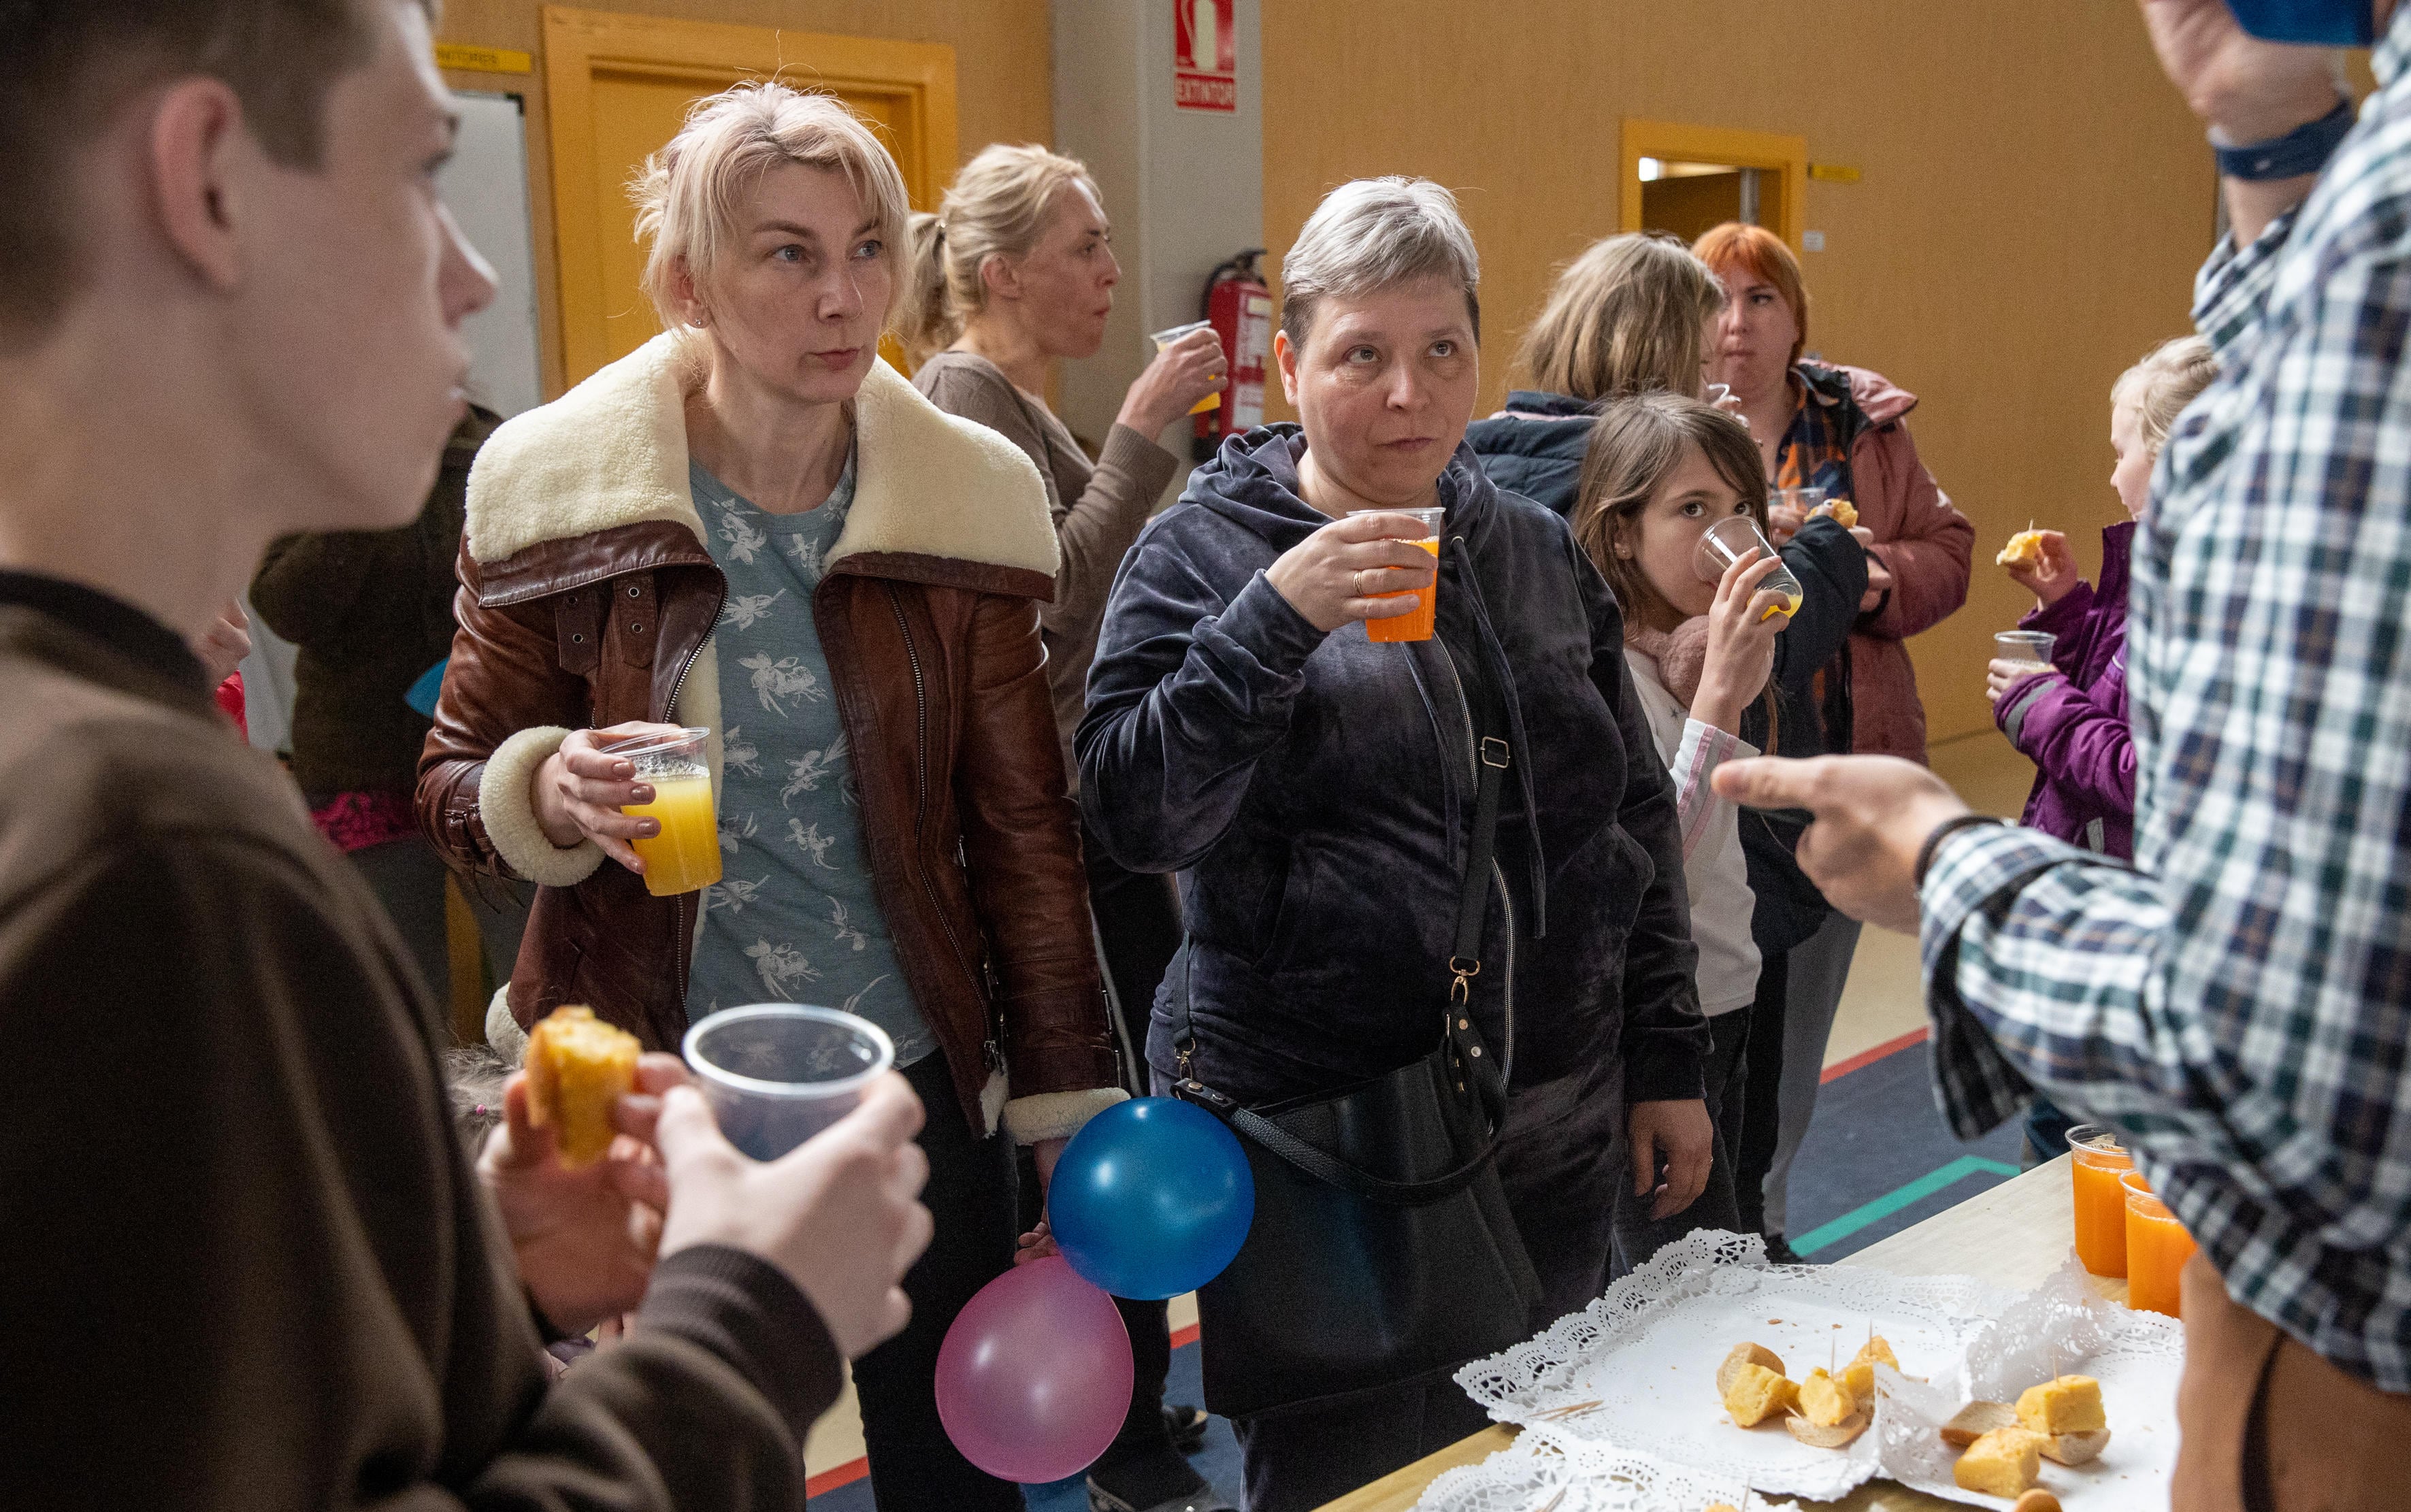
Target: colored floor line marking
[844, 1474]
[1898, 1198]
[1868, 1057]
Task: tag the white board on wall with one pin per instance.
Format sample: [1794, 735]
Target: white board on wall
[486, 184]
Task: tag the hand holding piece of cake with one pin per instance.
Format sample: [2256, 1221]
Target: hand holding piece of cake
[578, 1069]
[2025, 552]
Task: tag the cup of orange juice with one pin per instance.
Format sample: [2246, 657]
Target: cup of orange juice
[2157, 1247]
[685, 855]
[1165, 338]
[1724, 542]
[2096, 1160]
[1417, 624]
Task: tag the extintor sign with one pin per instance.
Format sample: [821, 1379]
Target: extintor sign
[1205, 56]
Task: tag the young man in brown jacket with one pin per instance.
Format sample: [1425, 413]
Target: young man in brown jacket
[243, 1261]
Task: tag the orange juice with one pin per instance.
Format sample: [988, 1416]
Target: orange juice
[685, 855]
[1416, 626]
[1791, 607]
[2098, 1160]
[2157, 1247]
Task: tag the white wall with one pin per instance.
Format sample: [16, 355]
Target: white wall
[1184, 188]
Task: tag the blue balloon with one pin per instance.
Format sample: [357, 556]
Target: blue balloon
[1151, 1199]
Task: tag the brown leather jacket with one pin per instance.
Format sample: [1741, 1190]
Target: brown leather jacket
[587, 599]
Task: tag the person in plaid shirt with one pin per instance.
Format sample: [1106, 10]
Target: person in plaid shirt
[2237, 1004]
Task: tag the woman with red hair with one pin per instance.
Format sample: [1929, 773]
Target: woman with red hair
[1842, 429]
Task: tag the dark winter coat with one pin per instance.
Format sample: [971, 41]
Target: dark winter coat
[1317, 790]
[1535, 447]
[2071, 720]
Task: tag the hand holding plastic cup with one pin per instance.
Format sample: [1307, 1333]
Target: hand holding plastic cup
[2025, 647]
[1726, 542]
[1788, 509]
[1166, 337]
[1417, 624]
[685, 855]
[777, 1073]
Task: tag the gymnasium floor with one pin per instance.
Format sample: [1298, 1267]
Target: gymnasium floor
[1878, 1159]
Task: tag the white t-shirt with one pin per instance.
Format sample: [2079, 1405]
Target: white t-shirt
[1713, 869]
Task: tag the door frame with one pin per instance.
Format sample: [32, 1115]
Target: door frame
[921, 75]
[1762, 149]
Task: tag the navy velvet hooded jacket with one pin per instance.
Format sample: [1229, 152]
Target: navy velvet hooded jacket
[1318, 790]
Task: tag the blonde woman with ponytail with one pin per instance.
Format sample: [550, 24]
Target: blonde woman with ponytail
[1015, 273]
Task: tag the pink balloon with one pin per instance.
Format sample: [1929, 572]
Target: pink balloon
[1035, 1377]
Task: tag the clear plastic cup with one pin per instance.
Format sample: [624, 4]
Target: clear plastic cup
[1724, 544]
[1417, 625]
[1165, 338]
[2096, 1160]
[685, 855]
[2026, 647]
[777, 1073]
[1788, 509]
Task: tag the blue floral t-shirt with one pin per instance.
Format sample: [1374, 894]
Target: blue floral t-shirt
[793, 918]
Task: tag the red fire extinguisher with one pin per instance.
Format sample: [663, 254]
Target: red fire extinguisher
[1240, 309]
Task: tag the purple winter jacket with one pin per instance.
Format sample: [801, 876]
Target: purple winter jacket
[2071, 720]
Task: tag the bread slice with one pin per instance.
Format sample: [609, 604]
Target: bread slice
[2076, 1448]
[1976, 1419]
[1745, 1354]
[1828, 1436]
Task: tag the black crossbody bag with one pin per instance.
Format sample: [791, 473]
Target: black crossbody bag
[1382, 1251]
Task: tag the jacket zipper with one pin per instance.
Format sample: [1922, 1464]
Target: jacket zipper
[921, 790]
[685, 944]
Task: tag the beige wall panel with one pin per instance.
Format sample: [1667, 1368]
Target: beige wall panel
[1003, 77]
[2035, 201]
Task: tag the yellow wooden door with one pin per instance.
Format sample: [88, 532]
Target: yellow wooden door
[620, 86]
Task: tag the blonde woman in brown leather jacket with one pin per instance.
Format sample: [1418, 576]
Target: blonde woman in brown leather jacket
[759, 472]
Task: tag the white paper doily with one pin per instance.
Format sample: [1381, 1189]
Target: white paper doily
[1542, 1474]
[1634, 1373]
[2060, 1328]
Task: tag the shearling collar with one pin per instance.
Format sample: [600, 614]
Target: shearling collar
[931, 487]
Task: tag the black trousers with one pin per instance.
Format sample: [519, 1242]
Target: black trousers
[1138, 917]
[1761, 1114]
[913, 1466]
[1638, 1236]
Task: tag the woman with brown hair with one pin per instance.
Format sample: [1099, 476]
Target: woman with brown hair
[754, 526]
[1711, 663]
[1633, 314]
[1842, 429]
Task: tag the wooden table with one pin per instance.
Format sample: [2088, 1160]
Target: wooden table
[2015, 1235]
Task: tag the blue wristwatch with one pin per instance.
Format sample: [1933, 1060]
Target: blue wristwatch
[2303, 150]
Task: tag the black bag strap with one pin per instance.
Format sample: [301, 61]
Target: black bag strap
[1471, 1062]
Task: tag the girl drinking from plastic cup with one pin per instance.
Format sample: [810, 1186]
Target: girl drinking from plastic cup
[1709, 660]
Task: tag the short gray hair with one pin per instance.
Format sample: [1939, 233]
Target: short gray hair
[1369, 234]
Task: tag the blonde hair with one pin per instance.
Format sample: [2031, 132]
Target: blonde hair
[1624, 318]
[687, 195]
[1369, 234]
[997, 207]
[2168, 378]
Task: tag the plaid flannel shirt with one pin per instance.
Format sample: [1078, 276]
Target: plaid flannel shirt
[2239, 1003]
